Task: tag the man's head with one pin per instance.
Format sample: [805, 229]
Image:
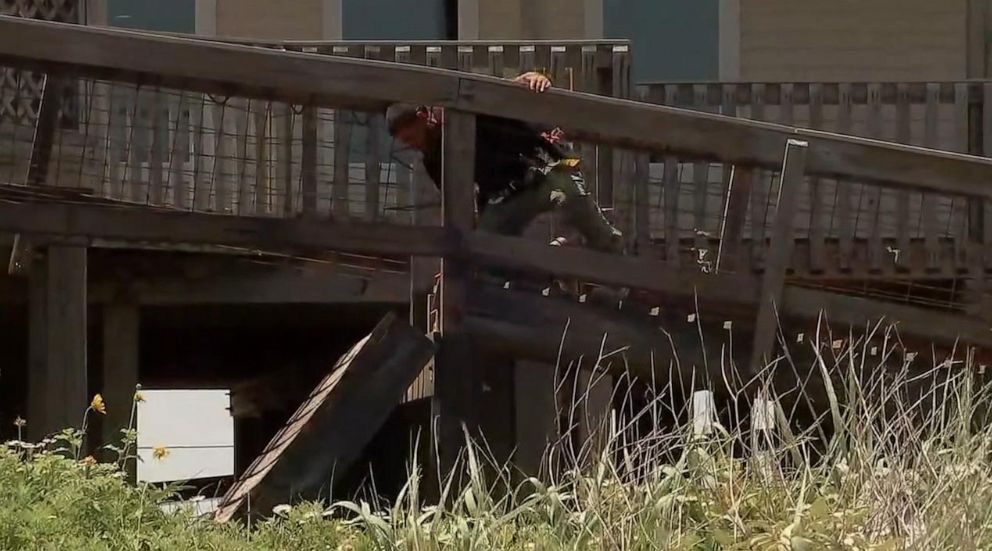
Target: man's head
[411, 124]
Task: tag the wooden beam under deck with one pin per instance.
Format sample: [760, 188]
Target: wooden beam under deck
[163, 226]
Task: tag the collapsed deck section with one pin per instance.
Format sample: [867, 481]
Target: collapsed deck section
[331, 428]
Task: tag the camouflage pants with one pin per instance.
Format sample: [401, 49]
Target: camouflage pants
[563, 190]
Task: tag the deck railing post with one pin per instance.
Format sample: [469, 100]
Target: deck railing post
[308, 161]
[773, 281]
[456, 385]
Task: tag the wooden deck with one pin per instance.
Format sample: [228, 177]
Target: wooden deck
[773, 221]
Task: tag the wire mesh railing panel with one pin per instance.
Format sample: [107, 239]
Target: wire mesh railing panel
[181, 149]
[844, 225]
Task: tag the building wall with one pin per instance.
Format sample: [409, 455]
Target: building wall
[265, 19]
[671, 40]
[393, 19]
[840, 40]
[152, 15]
[530, 19]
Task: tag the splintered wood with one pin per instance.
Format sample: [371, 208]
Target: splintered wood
[329, 430]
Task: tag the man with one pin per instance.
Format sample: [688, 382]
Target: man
[521, 170]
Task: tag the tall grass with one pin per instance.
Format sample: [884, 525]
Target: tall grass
[887, 454]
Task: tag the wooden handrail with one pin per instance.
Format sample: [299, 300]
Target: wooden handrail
[363, 84]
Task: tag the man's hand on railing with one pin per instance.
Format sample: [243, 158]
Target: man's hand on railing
[534, 81]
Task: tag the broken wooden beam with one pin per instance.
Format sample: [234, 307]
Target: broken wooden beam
[330, 429]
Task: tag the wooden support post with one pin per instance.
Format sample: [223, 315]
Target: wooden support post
[223, 171]
[120, 367]
[178, 149]
[157, 124]
[818, 221]
[873, 193]
[309, 161]
[44, 132]
[57, 392]
[594, 394]
[903, 219]
[341, 184]
[843, 209]
[261, 119]
[734, 213]
[536, 414]
[455, 381]
[38, 414]
[773, 281]
[373, 165]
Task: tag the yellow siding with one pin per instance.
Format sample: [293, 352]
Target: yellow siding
[840, 40]
[265, 19]
[531, 19]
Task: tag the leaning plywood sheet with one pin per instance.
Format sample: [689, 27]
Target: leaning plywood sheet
[328, 432]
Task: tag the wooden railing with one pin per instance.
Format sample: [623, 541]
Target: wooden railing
[722, 271]
[841, 216]
[171, 148]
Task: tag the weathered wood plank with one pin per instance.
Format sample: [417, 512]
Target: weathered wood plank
[375, 134]
[158, 128]
[285, 198]
[700, 185]
[39, 381]
[373, 165]
[261, 118]
[672, 185]
[903, 135]
[818, 222]
[782, 239]
[136, 145]
[116, 138]
[257, 233]
[44, 131]
[961, 207]
[734, 214]
[987, 151]
[203, 153]
[65, 340]
[843, 210]
[872, 194]
[340, 200]
[929, 218]
[642, 201]
[327, 433]
[456, 381]
[119, 366]
[244, 155]
[223, 162]
[308, 163]
[760, 188]
[179, 149]
[513, 253]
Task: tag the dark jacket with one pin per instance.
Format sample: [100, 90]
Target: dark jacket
[509, 154]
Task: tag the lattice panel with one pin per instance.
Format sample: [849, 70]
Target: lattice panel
[20, 91]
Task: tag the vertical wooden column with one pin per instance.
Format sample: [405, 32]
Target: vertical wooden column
[57, 392]
[44, 131]
[120, 366]
[456, 385]
[782, 238]
[308, 161]
[38, 414]
[536, 414]
[734, 213]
